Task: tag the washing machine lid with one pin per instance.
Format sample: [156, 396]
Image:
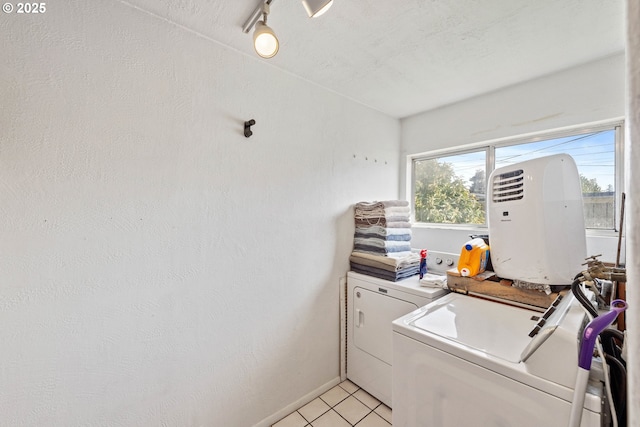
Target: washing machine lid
[480, 327]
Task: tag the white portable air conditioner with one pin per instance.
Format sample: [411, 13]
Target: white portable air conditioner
[536, 221]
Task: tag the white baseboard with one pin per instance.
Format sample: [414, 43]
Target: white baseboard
[271, 419]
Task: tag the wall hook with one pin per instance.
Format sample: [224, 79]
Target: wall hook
[247, 127]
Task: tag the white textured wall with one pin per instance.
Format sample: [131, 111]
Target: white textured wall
[632, 146]
[157, 267]
[589, 93]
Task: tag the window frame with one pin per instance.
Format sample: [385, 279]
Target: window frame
[617, 125]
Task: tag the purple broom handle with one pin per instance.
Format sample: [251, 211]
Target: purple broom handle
[594, 328]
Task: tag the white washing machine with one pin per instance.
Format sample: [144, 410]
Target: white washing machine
[464, 361]
[372, 305]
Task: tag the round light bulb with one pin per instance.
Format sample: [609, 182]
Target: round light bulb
[265, 41]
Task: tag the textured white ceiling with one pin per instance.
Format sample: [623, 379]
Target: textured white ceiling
[402, 57]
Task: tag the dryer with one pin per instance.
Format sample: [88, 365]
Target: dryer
[372, 305]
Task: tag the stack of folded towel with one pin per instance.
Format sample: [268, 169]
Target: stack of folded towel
[388, 214]
[385, 267]
[382, 241]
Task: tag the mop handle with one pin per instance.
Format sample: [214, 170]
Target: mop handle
[589, 337]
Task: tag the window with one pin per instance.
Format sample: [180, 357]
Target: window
[450, 188]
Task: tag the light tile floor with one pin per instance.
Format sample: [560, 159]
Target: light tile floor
[345, 405]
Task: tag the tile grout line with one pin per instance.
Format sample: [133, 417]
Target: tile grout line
[348, 396]
[355, 397]
[332, 408]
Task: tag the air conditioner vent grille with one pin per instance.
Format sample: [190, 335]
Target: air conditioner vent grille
[508, 186]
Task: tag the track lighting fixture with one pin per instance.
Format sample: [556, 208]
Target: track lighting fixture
[316, 8]
[265, 41]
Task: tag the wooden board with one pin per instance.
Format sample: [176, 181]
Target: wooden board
[487, 285]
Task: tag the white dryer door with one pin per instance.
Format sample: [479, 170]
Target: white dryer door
[372, 316]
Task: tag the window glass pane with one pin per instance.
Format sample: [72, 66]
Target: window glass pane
[451, 189]
[594, 154]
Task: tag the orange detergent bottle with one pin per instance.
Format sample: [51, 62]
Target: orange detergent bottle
[473, 257]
